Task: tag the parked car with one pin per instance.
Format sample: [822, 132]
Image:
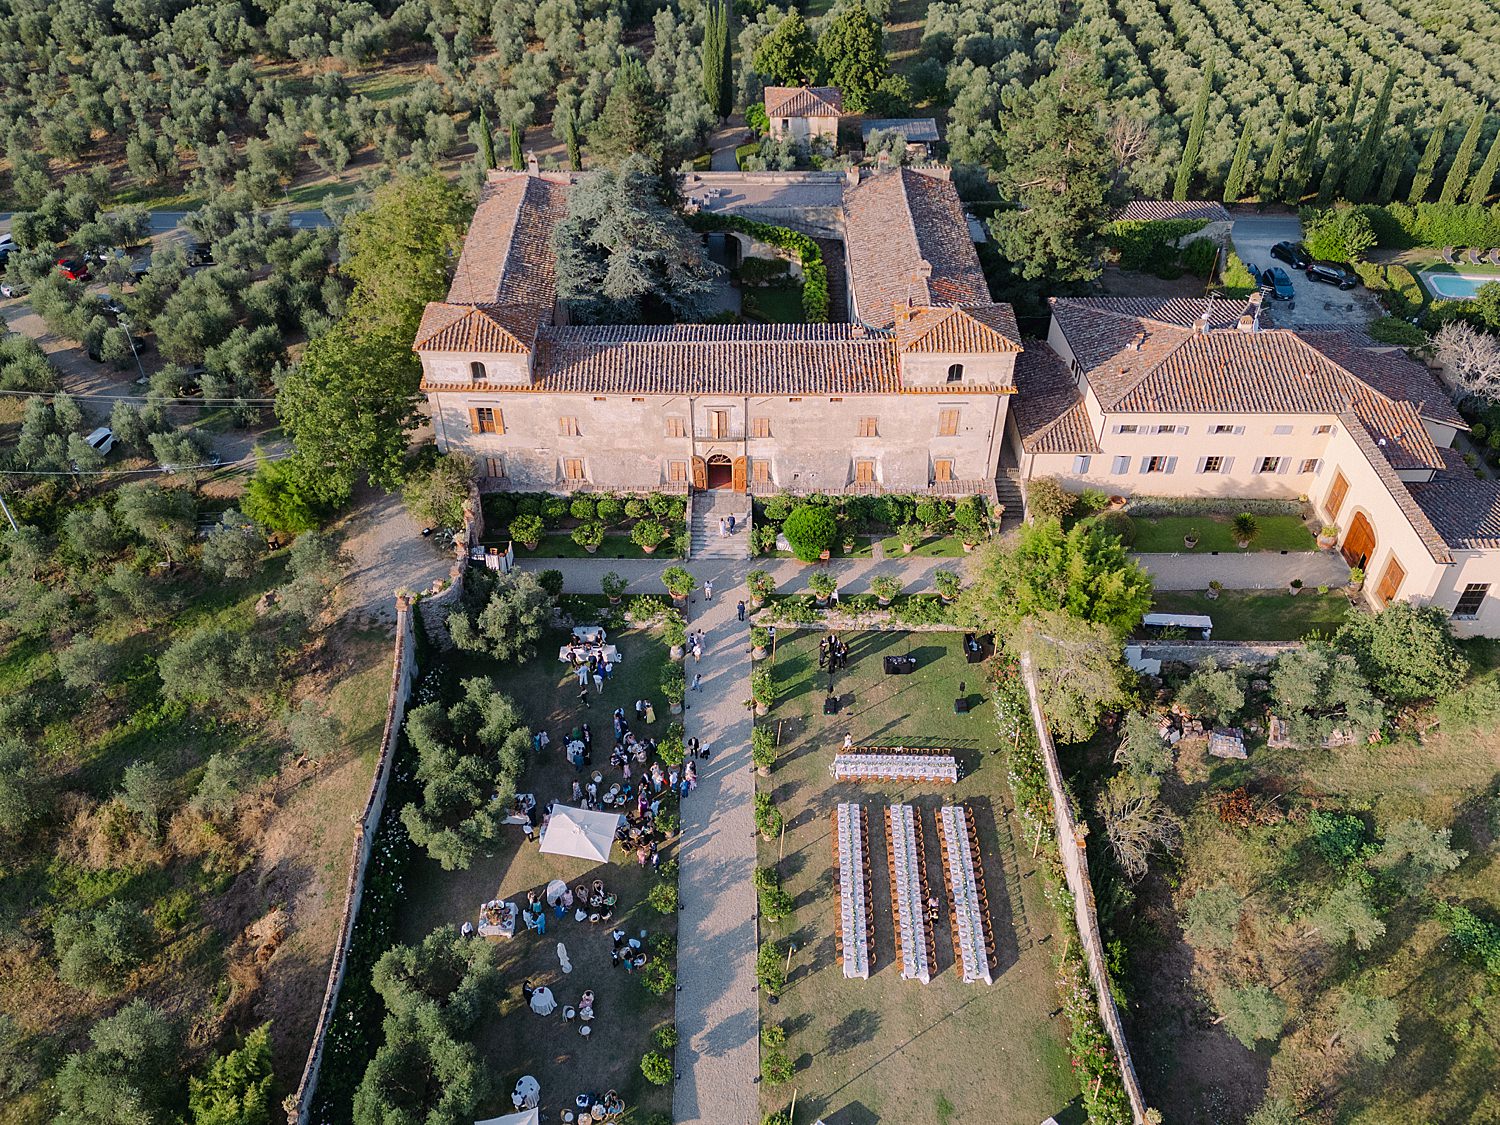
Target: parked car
[1293, 254]
[199, 255]
[73, 269]
[1333, 273]
[1277, 283]
[102, 439]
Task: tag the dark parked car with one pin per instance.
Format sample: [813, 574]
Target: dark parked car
[199, 255]
[1277, 283]
[1332, 273]
[1293, 254]
[73, 269]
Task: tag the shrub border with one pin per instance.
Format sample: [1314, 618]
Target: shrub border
[807, 252]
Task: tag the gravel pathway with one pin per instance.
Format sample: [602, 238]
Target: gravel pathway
[718, 1054]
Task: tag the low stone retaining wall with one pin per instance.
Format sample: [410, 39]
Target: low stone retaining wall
[1221, 652]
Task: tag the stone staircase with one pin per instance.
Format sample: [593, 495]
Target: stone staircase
[1008, 492]
[708, 509]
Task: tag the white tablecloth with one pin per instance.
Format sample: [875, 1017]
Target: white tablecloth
[897, 767]
[542, 1002]
[911, 908]
[854, 911]
[963, 890]
[579, 654]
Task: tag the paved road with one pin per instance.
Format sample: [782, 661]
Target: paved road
[718, 1053]
[721, 148]
[165, 222]
[1254, 570]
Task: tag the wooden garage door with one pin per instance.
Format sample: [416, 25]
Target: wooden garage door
[1390, 581]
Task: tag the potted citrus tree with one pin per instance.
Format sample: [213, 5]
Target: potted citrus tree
[762, 749]
[1190, 540]
[1246, 528]
[1215, 588]
[647, 535]
[1294, 587]
[614, 587]
[527, 531]
[589, 536]
[822, 585]
[968, 518]
[885, 588]
[674, 686]
[947, 584]
[674, 634]
[762, 689]
[761, 586]
[910, 534]
[678, 581]
[760, 640]
[1356, 579]
[1328, 536]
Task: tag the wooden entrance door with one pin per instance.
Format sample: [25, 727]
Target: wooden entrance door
[1359, 544]
[700, 473]
[741, 471]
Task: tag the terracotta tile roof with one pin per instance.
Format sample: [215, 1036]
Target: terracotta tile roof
[477, 328]
[1139, 361]
[1181, 312]
[507, 257]
[1048, 407]
[908, 243]
[1392, 373]
[1155, 209]
[978, 328]
[1403, 495]
[804, 101]
[1463, 508]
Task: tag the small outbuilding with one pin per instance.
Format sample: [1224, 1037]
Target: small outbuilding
[920, 133]
[805, 113]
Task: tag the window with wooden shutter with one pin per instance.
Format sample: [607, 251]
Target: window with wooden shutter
[567, 427]
[486, 420]
[947, 422]
[1311, 465]
[676, 427]
[1336, 493]
[677, 472]
[718, 424]
[573, 468]
[868, 427]
[1390, 581]
[864, 472]
[760, 472]
[942, 471]
[760, 427]
[494, 467]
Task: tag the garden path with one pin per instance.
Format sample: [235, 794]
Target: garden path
[581, 576]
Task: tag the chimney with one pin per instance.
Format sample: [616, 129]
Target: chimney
[1250, 319]
[1200, 326]
[903, 310]
[1136, 341]
[532, 165]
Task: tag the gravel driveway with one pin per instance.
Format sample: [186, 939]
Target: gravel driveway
[1315, 305]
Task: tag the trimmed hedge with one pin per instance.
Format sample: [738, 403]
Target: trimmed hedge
[807, 252]
[1149, 244]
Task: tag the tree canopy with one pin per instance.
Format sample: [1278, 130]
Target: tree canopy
[853, 49]
[504, 617]
[1079, 672]
[624, 256]
[789, 56]
[126, 1075]
[236, 1090]
[1318, 692]
[1407, 651]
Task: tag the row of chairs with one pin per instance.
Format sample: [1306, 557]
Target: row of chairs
[853, 947]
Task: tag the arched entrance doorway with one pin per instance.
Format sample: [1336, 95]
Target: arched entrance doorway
[1359, 544]
[720, 472]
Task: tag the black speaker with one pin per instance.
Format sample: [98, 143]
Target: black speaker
[961, 705]
[900, 665]
[830, 705]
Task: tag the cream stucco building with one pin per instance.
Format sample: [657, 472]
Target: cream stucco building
[805, 113]
[1198, 398]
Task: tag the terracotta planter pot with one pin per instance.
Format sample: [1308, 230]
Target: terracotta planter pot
[532, 546]
[675, 709]
[1189, 542]
[848, 546]
[883, 602]
[649, 550]
[820, 602]
[762, 708]
[969, 548]
[1213, 595]
[1294, 590]
[614, 601]
[590, 549]
[825, 556]
[1328, 542]
[755, 602]
[677, 652]
[763, 772]
[1244, 544]
[757, 653]
[908, 548]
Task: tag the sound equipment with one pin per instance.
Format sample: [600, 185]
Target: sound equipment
[961, 705]
[900, 665]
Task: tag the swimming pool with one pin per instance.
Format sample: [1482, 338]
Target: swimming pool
[1455, 286]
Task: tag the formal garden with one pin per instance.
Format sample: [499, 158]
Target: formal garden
[863, 1050]
[448, 849]
[853, 526]
[618, 527]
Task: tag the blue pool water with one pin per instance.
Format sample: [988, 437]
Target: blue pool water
[1455, 286]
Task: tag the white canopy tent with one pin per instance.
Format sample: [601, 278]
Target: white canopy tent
[580, 833]
[526, 1117]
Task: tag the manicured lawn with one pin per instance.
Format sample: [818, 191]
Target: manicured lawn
[1260, 615]
[886, 1049]
[936, 547]
[773, 305]
[563, 547]
[1216, 533]
[514, 1041]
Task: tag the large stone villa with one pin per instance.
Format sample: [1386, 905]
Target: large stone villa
[911, 388]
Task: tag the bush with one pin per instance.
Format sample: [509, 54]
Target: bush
[768, 818]
[589, 535]
[678, 580]
[1391, 330]
[1236, 280]
[663, 897]
[763, 686]
[885, 587]
[657, 1068]
[823, 584]
[760, 584]
[1342, 234]
[934, 515]
[636, 508]
[609, 511]
[613, 586]
[1200, 256]
[1144, 244]
[1047, 499]
[554, 510]
[551, 581]
[775, 902]
[582, 509]
[947, 583]
[666, 1036]
[760, 637]
[775, 1067]
[763, 538]
[810, 530]
[527, 531]
[1117, 524]
[770, 968]
[911, 534]
[96, 950]
[658, 977]
[647, 534]
[674, 683]
[762, 751]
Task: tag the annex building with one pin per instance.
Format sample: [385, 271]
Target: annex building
[906, 392]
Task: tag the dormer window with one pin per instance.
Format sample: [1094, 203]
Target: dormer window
[477, 372]
[956, 373]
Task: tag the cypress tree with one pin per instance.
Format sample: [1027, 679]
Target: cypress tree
[1395, 163]
[1333, 172]
[1362, 171]
[517, 161]
[1234, 186]
[1190, 151]
[1427, 166]
[715, 47]
[565, 128]
[1305, 160]
[1271, 178]
[1458, 174]
[486, 139]
[1479, 190]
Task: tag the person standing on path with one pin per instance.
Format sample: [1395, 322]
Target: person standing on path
[740, 609]
[708, 590]
[697, 681]
[697, 650]
[723, 529]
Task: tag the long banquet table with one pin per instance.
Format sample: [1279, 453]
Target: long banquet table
[895, 766]
[909, 893]
[964, 877]
[851, 845]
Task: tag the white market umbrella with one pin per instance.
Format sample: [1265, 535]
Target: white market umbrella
[581, 833]
[527, 1117]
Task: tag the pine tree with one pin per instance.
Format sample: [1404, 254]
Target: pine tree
[1395, 163]
[1234, 186]
[1271, 178]
[1458, 173]
[1427, 167]
[1302, 171]
[1362, 171]
[1194, 145]
[486, 139]
[1479, 190]
[1333, 171]
[517, 160]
